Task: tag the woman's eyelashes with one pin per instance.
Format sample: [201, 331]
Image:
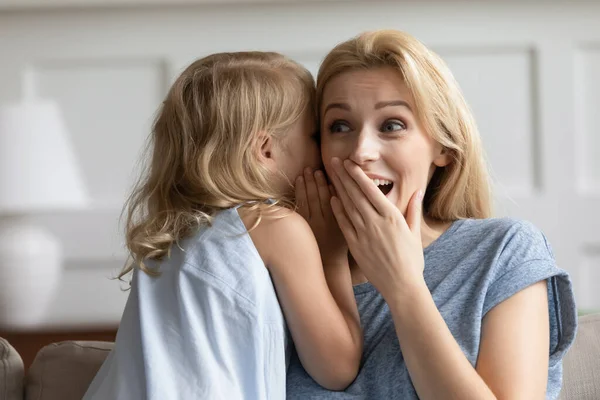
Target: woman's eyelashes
[339, 126]
[393, 125]
[388, 126]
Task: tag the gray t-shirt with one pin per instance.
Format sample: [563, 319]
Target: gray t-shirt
[472, 267]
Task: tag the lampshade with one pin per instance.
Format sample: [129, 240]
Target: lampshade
[38, 169]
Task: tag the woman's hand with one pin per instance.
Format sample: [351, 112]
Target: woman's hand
[386, 246]
[313, 196]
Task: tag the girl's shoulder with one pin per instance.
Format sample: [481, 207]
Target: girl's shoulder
[271, 219]
[278, 232]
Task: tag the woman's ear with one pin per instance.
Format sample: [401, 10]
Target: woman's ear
[442, 158]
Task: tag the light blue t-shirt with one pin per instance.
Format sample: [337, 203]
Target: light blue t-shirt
[209, 327]
[472, 267]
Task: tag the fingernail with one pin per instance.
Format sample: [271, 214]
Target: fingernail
[420, 195]
[299, 179]
[319, 173]
[307, 171]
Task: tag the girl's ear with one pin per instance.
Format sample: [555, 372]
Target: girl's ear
[265, 151]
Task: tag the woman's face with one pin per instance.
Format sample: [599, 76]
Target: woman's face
[368, 117]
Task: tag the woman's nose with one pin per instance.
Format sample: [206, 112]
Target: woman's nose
[365, 150]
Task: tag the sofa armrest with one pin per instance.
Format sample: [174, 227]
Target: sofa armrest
[11, 372]
[581, 365]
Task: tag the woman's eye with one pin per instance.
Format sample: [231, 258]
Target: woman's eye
[393, 126]
[339, 127]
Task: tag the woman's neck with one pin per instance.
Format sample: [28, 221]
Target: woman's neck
[431, 229]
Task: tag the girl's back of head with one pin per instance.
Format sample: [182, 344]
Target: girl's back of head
[203, 147]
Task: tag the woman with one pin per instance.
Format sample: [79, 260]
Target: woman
[453, 304]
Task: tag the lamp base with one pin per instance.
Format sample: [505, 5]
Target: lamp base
[30, 270]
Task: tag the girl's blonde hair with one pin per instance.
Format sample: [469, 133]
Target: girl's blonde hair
[461, 189]
[204, 146]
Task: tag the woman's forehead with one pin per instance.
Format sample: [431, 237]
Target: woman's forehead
[376, 86]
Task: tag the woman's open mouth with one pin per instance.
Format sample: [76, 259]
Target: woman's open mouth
[384, 185]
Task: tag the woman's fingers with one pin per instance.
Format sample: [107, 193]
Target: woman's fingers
[414, 213]
[312, 193]
[375, 196]
[343, 221]
[332, 190]
[352, 212]
[354, 192]
[323, 190]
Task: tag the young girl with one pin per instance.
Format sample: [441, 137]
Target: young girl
[209, 236]
[454, 304]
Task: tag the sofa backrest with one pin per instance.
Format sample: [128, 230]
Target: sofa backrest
[63, 371]
[581, 365]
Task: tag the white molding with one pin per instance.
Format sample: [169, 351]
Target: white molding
[23, 5]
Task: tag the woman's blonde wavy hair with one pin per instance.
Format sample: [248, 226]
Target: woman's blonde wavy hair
[203, 151]
[461, 189]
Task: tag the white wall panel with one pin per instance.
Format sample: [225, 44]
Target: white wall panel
[497, 83]
[530, 70]
[587, 106]
[108, 106]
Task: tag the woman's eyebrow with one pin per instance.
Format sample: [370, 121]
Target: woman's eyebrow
[343, 106]
[381, 104]
[392, 103]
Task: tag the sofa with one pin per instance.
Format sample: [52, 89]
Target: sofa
[63, 371]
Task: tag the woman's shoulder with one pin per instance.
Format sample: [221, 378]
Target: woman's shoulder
[501, 242]
[506, 233]
[500, 226]
[499, 255]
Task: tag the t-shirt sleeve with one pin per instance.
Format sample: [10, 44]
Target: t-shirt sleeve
[526, 258]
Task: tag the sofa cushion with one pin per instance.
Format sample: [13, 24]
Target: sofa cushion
[581, 365]
[11, 372]
[64, 370]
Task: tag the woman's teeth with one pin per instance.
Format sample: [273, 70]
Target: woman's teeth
[384, 185]
[382, 182]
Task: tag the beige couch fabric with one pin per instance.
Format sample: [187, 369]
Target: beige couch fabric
[11, 372]
[581, 365]
[63, 371]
